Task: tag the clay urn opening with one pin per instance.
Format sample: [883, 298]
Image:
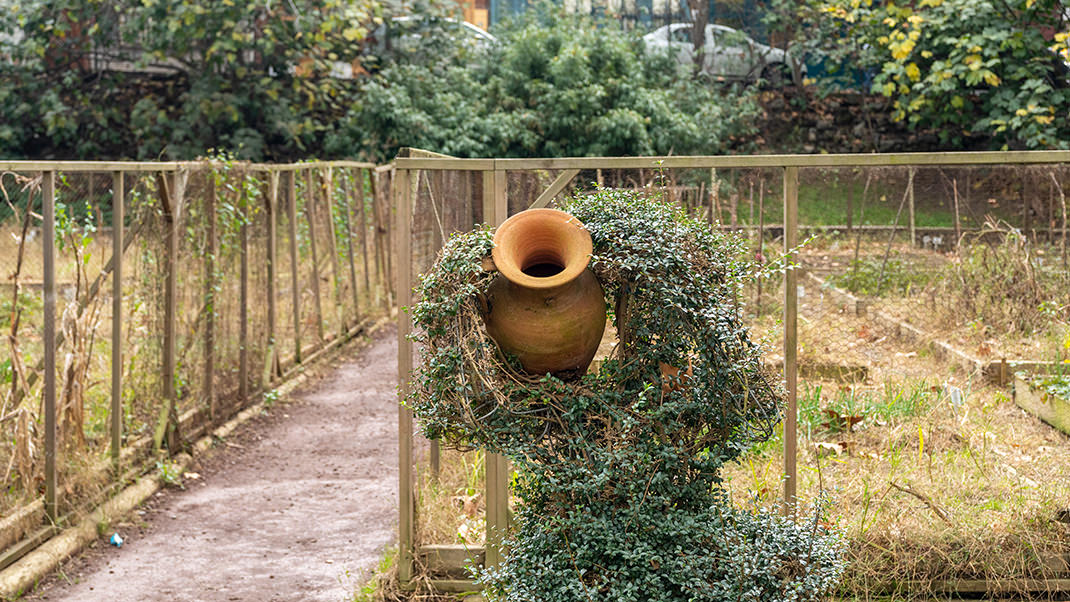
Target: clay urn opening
[546, 307]
[541, 248]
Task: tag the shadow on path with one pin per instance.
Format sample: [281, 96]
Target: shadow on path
[297, 506]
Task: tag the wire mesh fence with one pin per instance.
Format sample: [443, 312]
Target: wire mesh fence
[173, 294]
[918, 290]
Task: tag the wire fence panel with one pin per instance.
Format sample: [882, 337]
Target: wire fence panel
[916, 291]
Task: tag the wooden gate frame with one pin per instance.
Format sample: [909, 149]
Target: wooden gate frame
[495, 210]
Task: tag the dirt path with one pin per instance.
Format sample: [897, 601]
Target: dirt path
[298, 506]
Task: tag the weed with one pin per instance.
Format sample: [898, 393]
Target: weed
[169, 473]
[373, 590]
[849, 406]
[271, 397]
[1007, 287]
[866, 277]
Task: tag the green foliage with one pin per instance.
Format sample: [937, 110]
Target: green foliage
[868, 277]
[227, 76]
[619, 470]
[256, 78]
[845, 407]
[960, 67]
[169, 473]
[554, 85]
[1054, 384]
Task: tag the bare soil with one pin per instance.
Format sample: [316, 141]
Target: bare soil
[298, 504]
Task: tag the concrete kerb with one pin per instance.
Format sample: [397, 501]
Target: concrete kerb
[28, 571]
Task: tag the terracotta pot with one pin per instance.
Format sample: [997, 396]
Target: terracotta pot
[546, 307]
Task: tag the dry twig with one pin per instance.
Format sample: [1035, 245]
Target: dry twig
[925, 499]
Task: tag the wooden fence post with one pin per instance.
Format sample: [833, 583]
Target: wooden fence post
[48, 235]
[403, 213]
[349, 246]
[210, 285]
[496, 211]
[272, 203]
[117, 224]
[381, 273]
[910, 192]
[170, 197]
[243, 301]
[336, 272]
[362, 199]
[310, 214]
[295, 287]
[791, 339]
[390, 241]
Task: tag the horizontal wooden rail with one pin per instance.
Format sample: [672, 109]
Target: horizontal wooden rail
[744, 161]
[149, 166]
[72, 166]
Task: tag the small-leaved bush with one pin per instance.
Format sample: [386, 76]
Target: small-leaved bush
[619, 470]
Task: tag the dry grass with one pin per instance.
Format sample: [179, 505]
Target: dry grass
[929, 484]
[990, 485]
[451, 509]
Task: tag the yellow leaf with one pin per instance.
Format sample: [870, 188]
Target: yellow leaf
[913, 72]
[957, 102]
[889, 89]
[992, 79]
[351, 34]
[1045, 119]
[925, 54]
[1021, 112]
[902, 50]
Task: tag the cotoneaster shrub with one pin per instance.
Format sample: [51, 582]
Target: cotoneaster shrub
[619, 470]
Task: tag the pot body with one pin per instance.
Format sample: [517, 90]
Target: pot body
[546, 307]
[550, 330]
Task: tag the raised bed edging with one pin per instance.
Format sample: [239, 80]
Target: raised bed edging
[997, 371]
[1052, 409]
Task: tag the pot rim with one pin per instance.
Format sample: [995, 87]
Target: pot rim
[579, 245]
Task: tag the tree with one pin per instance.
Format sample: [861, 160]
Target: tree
[216, 74]
[700, 17]
[555, 85]
[961, 67]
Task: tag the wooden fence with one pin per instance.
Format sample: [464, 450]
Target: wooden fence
[489, 192]
[226, 279]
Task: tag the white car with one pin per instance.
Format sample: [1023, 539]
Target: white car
[728, 54]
